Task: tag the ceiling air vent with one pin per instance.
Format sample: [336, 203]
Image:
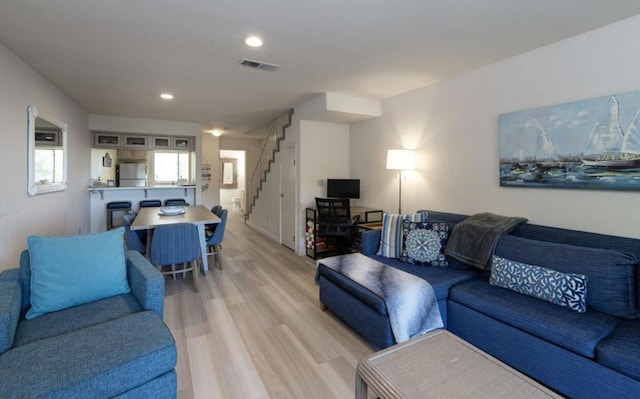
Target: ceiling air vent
[259, 65]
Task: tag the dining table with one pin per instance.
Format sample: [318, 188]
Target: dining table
[152, 217]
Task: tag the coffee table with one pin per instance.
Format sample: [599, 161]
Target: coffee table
[441, 365]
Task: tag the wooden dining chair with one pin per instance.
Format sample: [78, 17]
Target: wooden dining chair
[175, 244]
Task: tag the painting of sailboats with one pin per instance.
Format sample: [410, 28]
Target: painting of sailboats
[590, 144]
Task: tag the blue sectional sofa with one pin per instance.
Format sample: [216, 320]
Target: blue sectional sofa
[595, 354]
[114, 347]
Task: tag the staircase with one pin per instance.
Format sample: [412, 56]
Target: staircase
[270, 147]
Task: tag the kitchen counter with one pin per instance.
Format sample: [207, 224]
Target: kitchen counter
[101, 189]
[99, 197]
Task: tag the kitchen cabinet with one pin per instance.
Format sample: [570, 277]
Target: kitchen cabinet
[126, 141]
[132, 155]
[182, 143]
[173, 143]
[161, 143]
[106, 140]
[135, 141]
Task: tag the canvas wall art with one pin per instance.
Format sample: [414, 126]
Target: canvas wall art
[590, 144]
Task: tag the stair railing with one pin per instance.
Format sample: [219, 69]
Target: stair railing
[270, 147]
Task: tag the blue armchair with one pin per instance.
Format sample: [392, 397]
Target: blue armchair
[116, 346]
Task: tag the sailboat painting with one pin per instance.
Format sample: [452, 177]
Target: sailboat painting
[590, 144]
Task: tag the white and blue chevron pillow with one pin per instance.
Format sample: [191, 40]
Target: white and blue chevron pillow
[392, 233]
[564, 289]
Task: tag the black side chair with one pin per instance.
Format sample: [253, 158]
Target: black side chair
[335, 222]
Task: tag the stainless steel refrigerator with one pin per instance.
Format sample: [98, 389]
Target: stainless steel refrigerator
[131, 174]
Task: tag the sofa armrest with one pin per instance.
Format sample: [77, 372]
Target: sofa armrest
[370, 242]
[146, 282]
[10, 306]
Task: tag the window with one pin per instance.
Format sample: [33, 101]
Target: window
[169, 167]
[48, 165]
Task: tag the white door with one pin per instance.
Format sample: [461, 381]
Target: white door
[288, 198]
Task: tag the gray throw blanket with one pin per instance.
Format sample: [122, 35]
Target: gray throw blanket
[411, 302]
[473, 240]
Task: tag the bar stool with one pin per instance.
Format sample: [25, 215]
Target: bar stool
[175, 202]
[150, 203]
[117, 206]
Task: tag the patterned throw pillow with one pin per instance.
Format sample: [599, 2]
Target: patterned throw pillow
[391, 236]
[424, 243]
[564, 289]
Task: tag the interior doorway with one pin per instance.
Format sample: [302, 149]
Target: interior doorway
[288, 198]
[233, 180]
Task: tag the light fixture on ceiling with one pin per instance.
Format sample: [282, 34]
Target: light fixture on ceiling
[253, 41]
[166, 96]
[216, 132]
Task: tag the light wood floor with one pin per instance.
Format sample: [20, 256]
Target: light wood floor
[255, 329]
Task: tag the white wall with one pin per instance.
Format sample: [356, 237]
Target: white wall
[211, 156]
[324, 153]
[454, 127]
[57, 213]
[265, 215]
[98, 170]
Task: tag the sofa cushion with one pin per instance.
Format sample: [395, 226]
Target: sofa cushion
[10, 298]
[75, 318]
[391, 237]
[577, 332]
[563, 289]
[612, 274]
[423, 243]
[72, 270]
[99, 361]
[621, 350]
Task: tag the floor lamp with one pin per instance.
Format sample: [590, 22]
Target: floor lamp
[400, 160]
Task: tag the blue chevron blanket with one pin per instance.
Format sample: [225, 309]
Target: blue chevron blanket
[411, 302]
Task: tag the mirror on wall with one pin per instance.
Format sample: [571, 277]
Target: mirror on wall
[47, 155]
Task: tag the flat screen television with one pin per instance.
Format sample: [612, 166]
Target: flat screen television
[343, 188]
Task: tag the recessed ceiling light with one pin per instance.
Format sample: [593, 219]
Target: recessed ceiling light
[253, 41]
[166, 96]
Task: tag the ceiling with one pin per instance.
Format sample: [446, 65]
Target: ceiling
[115, 57]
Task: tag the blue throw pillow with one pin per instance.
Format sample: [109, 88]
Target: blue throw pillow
[424, 243]
[391, 236]
[68, 271]
[611, 273]
[564, 289]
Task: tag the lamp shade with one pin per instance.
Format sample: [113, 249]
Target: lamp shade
[400, 159]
